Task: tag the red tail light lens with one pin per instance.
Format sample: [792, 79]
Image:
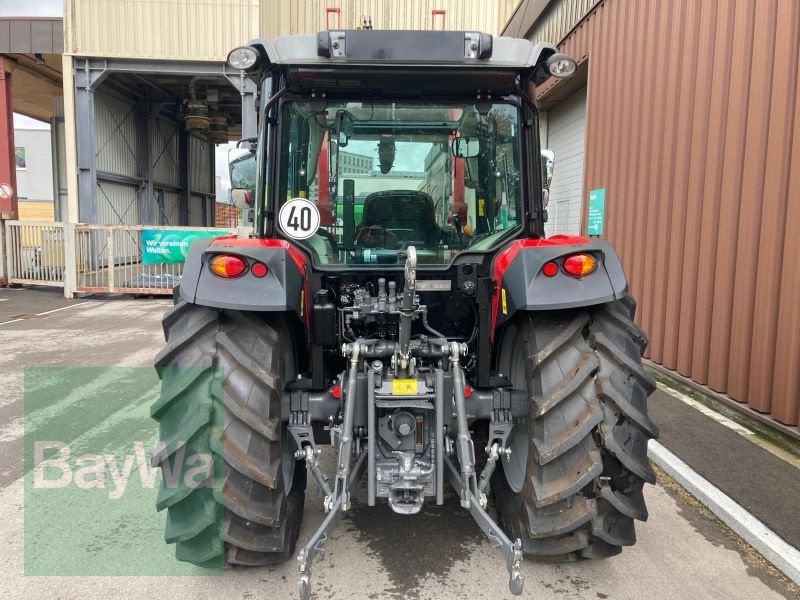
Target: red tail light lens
[336, 391]
[467, 391]
[550, 269]
[227, 266]
[579, 265]
[258, 269]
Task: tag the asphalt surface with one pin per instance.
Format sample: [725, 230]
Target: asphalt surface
[374, 554]
[27, 303]
[759, 481]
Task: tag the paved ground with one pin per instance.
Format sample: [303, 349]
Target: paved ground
[374, 554]
[759, 481]
[26, 303]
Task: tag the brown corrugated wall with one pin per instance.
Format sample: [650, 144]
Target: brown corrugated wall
[693, 129]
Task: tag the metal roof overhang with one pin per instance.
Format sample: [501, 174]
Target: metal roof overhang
[33, 46]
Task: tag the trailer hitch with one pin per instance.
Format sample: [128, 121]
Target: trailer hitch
[336, 501]
[316, 545]
[512, 551]
[465, 482]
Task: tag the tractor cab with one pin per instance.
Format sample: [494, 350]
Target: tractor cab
[392, 139]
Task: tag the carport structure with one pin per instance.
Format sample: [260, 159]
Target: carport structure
[138, 159]
[30, 84]
[133, 138]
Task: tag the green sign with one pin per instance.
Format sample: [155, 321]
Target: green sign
[597, 211]
[171, 245]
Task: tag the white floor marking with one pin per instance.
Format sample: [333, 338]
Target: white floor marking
[786, 558]
[48, 312]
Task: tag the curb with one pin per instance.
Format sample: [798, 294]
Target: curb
[786, 558]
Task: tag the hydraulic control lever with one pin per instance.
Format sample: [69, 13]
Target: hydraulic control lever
[407, 307]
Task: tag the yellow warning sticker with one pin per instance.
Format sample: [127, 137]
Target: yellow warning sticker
[503, 300]
[481, 207]
[404, 387]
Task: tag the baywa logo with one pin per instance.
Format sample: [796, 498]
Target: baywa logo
[102, 485]
[55, 467]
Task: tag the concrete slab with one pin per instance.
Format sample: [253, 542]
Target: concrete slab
[374, 554]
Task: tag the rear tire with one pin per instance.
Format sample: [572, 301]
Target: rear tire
[222, 375]
[575, 487]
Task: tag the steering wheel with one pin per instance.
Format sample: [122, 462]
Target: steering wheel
[376, 236]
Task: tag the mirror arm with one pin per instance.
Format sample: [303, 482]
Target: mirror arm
[250, 140]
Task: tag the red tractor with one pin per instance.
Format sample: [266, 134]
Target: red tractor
[398, 298]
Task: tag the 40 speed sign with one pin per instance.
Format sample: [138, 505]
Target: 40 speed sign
[299, 218]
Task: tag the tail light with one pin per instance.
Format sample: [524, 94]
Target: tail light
[550, 269]
[579, 265]
[258, 269]
[228, 266]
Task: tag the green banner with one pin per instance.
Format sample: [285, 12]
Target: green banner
[597, 211]
[171, 245]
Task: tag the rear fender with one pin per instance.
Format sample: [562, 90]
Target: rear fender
[520, 283]
[283, 288]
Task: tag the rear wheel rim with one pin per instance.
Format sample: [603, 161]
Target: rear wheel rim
[512, 364]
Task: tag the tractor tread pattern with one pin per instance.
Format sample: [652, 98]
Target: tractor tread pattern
[221, 375]
[588, 434]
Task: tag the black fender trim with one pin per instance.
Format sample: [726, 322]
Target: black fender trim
[284, 288]
[520, 283]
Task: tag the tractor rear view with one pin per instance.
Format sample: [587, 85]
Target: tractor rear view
[398, 299]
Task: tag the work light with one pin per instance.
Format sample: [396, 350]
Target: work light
[243, 58]
[561, 66]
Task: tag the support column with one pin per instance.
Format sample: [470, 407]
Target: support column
[248, 91]
[144, 168]
[8, 163]
[70, 156]
[86, 143]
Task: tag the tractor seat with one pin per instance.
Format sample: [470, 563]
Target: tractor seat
[407, 216]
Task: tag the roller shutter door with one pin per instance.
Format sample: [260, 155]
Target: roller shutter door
[566, 133]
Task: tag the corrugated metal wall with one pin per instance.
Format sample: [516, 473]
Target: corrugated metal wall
[287, 18]
[554, 22]
[566, 133]
[201, 182]
[159, 29]
[208, 29]
[115, 121]
[693, 129]
[117, 201]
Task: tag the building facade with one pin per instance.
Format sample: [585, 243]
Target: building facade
[685, 117]
[134, 70]
[34, 163]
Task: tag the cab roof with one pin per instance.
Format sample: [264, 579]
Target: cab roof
[391, 61]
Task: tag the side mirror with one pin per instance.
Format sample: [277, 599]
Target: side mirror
[548, 162]
[242, 163]
[466, 147]
[242, 198]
